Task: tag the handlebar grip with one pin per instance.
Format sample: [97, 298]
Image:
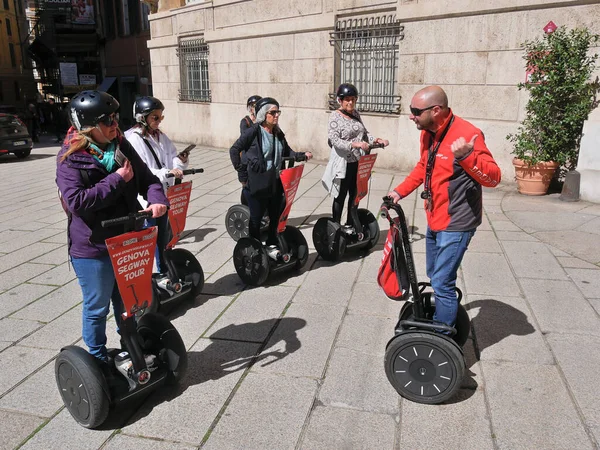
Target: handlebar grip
[186, 172]
[125, 219]
[377, 145]
[288, 158]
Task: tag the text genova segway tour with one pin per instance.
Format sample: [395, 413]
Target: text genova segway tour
[252, 261]
[152, 352]
[331, 240]
[424, 361]
[184, 278]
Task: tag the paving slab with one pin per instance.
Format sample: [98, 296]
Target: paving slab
[22, 361]
[20, 274]
[525, 399]
[64, 330]
[588, 280]
[547, 221]
[25, 254]
[54, 304]
[341, 428]
[515, 236]
[368, 334]
[479, 279]
[218, 253]
[573, 243]
[575, 263]
[559, 306]
[302, 341]
[369, 299]
[267, 411]
[125, 442]
[579, 359]
[224, 281]
[533, 260]
[484, 242]
[58, 276]
[15, 428]
[37, 395]
[357, 380]
[16, 329]
[214, 369]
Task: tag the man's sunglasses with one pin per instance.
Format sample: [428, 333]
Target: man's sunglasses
[417, 112]
[110, 120]
[274, 113]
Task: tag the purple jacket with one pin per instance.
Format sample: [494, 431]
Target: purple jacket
[106, 197]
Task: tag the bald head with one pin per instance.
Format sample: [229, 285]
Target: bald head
[432, 95]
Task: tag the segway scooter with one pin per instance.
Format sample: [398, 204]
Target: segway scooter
[253, 261]
[152, 352]
[237, 219]
[424, 360]
[184, 278]
[332, 240]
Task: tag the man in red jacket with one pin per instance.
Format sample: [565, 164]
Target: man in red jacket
[454, 164]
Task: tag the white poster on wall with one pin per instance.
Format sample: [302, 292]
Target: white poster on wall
[68, 74]
[87, 79]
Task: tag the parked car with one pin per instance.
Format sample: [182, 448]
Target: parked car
[14, 137]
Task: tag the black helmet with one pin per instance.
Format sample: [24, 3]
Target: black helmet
[252, 100]
[346, 90]
[89, 107]
[144, 106]
[265, 101]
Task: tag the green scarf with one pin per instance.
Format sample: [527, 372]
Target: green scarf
[105, 157]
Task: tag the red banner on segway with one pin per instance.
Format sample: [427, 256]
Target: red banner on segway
[290, 178]
[365, 165]
[179, 199]
[132, 257]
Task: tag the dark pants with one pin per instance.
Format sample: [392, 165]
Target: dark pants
[162, 239]
[347, 187]
[258, 206]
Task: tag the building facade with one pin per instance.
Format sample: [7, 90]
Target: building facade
[209, 56]
[17, 85]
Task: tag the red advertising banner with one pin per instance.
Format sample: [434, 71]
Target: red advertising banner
[132, 257]
[290, 178]
[179, 199]
[365, 166]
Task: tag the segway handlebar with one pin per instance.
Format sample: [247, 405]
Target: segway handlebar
[130, 218]
[376, 145]
[186, 172]
[388, 204]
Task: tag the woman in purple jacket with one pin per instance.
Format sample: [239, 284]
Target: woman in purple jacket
[95, 188]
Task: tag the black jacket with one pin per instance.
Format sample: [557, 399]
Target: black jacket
[245, 123]
[246, 154]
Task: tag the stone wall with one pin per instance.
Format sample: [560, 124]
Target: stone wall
[469, 47]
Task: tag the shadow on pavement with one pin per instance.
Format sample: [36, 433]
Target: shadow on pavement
[227, 353]
[197, 235]
[495, 321]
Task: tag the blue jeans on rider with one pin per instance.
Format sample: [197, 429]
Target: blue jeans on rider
[444, 253]
[162, 239]
[98, 285]
[273, 204]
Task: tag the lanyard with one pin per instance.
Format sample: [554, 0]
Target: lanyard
[431, 154]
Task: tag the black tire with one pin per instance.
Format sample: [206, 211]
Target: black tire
[297, 245]
[462, 325]
[237, 221]
[82, 386]
[370, 227]
[424, 367]
[251, 261]
[22, 154]
[161, 338]
[328, 239]
[188, 269]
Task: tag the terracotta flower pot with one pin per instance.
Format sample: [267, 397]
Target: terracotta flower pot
[534, 180]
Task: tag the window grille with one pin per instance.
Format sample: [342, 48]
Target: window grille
[193, 68]
[366, 55]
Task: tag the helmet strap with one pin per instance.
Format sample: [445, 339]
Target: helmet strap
[103, 135]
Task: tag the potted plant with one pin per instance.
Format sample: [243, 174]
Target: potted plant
[561, 96]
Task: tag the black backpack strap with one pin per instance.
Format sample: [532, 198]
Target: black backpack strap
[158, 163]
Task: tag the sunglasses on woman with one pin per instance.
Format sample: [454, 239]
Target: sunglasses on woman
[110, 120]
[274, 113]
[156, 118]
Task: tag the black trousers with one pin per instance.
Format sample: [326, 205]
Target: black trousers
[274, 205]
[347, 187]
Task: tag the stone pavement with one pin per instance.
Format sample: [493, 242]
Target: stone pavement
[298, 363]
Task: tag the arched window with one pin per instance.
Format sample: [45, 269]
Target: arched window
[8, 30]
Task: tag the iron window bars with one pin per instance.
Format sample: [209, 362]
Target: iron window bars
[193, 69]
[366, 55]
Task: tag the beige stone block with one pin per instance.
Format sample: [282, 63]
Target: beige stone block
[159, 90]
[495, 138]
[308, 95]
[486, 102]
[254, 11]
[313, 45]
[173, 74]
[191, 21]
[507, 68]
[159, 74]
[220, 52]
[217, 72]
[237, 72]
[411, 69]
[221, 92]
[313, 70]
[571, 17]
[455, 68]
[162, 27]
[352, 4]
[164, 56]
[274, 48]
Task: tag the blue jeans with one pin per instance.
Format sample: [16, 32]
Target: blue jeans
[98, 285]
[444, 253]
[162, 239]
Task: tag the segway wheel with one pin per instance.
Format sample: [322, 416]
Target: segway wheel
[297, 244]
[188, 269]
[328, 239]
[237, 221]
[370, 226]
[251, 261]
[82, 386]
[462, 325]
[161, 338]
[424, 367]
